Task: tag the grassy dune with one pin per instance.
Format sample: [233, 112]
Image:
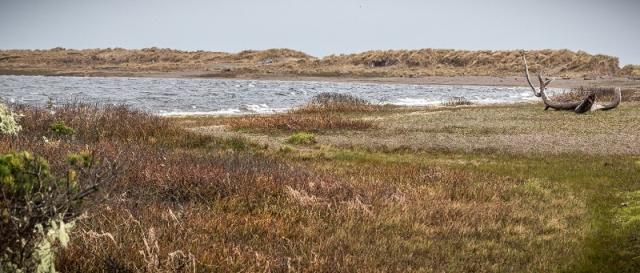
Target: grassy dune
[453, 189]
[286, 62]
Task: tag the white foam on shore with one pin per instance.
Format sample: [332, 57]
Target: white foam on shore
[414, 102]
[243, 110]
[261, 109]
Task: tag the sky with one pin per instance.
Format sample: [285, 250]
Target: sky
[325, 27]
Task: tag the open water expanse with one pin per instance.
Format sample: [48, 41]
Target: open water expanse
[169, 96]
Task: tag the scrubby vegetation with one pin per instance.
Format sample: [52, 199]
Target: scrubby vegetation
[323, 112]
[389, 63]
[338, 103]
[406, 197]
[566, 193]
[46, 174]
[443, 62]
[632, 71]
[61, 129]
[36, 206]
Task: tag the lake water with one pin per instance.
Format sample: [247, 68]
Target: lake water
[227, 97]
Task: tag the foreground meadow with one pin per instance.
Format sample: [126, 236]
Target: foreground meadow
[362, 188]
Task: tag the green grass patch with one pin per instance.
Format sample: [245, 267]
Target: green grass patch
[61, 129]
[606, 185]
[302, 138]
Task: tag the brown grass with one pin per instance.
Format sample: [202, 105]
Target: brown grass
[334, 103]
[373, 218]
[443, 62]
[520, 129]
[552, 179]
[297, 122]
[632, 71]
[325, 111]
[185, 203]
[389, 63]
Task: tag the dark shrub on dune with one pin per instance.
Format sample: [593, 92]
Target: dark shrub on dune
[337, 102]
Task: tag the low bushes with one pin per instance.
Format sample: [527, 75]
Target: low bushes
[91, 123]
[61, 129]
[147, 167]
[39, 204]
[325, 111]
[179, 204]
[42, 181]
[338, 103]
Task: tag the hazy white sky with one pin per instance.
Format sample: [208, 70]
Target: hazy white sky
[324, 27]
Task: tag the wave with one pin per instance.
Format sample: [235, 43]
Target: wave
[242, 110]
[260, 109]
[415, 102]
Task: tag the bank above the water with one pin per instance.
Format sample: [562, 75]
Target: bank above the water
[278, 63]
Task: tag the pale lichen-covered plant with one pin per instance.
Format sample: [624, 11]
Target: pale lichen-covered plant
[8, 123]
[37, 208]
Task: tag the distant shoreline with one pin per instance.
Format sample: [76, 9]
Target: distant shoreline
[424, 66]
[421, 66]
[509, 81]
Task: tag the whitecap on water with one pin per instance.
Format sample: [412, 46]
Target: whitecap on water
[260, 109]
[415, 102]
[231, 97]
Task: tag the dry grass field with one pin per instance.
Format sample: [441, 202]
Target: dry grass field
[287, 62]
[378, 189]
[507, 188]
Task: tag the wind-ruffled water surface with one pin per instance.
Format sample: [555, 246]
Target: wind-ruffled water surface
[182, 96]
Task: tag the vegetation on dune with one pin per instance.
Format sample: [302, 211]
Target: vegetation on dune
[338, 103]
[444, 62]
[271, 55]
[631, 71]
[378, 63]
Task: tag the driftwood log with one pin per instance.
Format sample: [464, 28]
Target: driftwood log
[581, 106]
